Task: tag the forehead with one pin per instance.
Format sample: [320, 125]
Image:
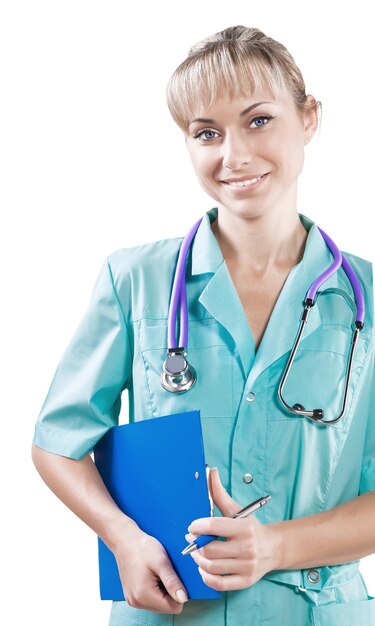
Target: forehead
[236, 105]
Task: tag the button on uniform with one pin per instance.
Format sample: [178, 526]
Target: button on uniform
[250, 397]
[247, 478]
[313, 576]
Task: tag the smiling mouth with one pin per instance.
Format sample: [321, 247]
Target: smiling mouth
[244, 183]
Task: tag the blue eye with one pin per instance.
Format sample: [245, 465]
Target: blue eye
[204, 132]
[262, 117]
[208, 130]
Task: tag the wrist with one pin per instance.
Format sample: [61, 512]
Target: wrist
[276, 546]
[119, 530]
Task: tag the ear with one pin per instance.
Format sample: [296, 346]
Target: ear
[311, 119]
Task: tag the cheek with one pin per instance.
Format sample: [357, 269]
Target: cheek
[296, 161]
[287, 152]
[206, 172]
[206, 163]
[202, 166]
[294, 147]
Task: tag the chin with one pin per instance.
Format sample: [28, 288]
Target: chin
[243, 212]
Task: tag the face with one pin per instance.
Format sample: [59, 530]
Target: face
[236, 142]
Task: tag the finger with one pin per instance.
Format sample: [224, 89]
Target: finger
[222, 566]
[229, 549]
[160, 598]
[221, 526]
[153, 596]
[172, 583]
[224, 583]
[225, 503]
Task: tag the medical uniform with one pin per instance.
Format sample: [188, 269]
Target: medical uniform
[258, 447]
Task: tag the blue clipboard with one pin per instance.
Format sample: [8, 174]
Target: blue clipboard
[155, 471]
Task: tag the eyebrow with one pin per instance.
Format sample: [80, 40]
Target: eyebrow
[208, 120]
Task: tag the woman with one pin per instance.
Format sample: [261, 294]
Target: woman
[240, 101]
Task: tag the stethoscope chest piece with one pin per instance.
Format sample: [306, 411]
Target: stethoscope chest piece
[177, 375]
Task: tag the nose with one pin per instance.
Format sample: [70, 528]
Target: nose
[236, 151]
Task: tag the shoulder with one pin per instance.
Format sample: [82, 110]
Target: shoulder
[142, 277]
[363, 269]
[150, 257]
[361, 266]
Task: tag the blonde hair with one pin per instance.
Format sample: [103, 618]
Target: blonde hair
[234, 62]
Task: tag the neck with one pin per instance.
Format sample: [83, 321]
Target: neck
[261, 243]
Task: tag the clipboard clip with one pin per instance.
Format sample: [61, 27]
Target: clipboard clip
[212, 511]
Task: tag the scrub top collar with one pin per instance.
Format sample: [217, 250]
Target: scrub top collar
[222, 300]
[207, 256]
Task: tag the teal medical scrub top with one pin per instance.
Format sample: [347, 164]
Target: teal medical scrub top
[258, 447]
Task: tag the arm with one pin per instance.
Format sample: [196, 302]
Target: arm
[82, 403]
[79, 485]
[342, 534]
[147, 575]
[252, 549]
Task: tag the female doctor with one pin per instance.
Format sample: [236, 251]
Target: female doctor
[240, 100]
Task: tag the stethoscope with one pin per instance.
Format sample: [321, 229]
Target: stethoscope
[179, 376]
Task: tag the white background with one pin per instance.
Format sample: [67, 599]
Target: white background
[91, 161]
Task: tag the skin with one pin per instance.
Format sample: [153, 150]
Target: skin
[258, 227]
[149, 582]
[261, 238]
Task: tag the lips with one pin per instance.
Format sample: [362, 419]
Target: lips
[243, 189]
[238, 180]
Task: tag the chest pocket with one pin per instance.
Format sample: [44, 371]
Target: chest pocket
[210, 355]
[317, 377]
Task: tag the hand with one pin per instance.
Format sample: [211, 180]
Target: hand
[248, 552]
[148, 578]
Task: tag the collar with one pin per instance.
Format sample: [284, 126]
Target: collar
[206, 253]
[222, 301]
[207, 256]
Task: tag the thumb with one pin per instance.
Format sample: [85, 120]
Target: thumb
[226, 505]
[172, 583]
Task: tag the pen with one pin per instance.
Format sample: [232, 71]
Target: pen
[203, 540]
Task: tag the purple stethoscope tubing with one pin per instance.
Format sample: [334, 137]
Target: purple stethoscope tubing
[339, 260]
[178, 296]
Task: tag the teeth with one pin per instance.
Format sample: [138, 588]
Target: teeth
[244, 183]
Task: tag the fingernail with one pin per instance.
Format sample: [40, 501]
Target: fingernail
[181, 596]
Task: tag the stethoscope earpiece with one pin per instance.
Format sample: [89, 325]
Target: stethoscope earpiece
[315, 414]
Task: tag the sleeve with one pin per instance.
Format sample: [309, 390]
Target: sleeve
[84, 398]
[367, 481]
